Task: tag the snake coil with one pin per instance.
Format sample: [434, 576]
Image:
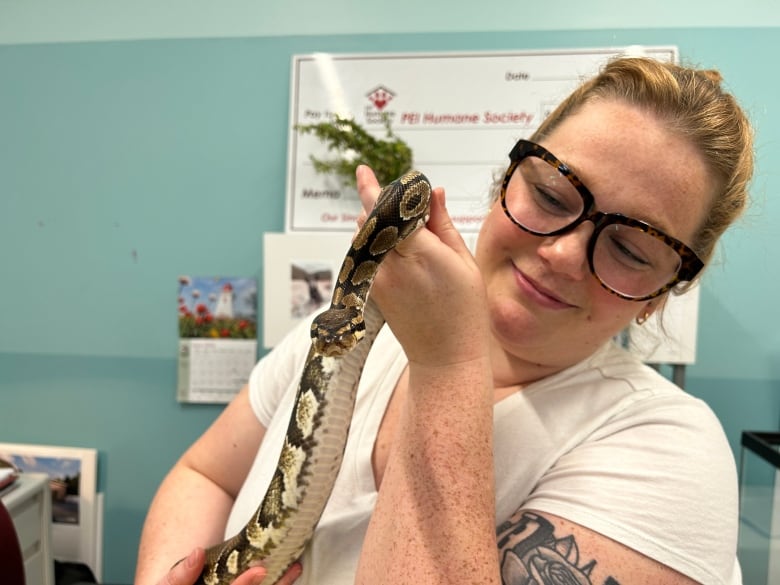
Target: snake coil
[313, 449]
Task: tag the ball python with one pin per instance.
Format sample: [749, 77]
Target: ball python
[313, 448]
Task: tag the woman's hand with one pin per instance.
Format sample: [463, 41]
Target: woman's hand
[188, 569]
[429, 289]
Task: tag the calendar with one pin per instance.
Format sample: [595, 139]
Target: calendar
[217, 337]
[214, 370]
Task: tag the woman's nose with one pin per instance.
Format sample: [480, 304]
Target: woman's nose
[567, 253]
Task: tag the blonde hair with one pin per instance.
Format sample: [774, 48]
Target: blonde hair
[693, 104]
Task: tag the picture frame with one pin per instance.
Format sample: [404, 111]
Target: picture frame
[76, 526]
[282, 254]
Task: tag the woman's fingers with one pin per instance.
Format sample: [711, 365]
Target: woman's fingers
[368, 187]
[186, 572]
[256, 576]
[291, 575]
[441, 224]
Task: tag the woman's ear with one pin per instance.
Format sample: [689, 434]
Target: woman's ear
[649, 308]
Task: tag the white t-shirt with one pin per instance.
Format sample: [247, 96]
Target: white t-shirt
[608, 443]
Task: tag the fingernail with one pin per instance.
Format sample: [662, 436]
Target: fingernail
[191, 559]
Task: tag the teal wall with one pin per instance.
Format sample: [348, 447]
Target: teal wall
[125, 164]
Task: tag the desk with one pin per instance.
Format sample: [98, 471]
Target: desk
[29, 503]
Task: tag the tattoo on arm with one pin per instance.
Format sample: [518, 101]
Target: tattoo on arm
[530, 554]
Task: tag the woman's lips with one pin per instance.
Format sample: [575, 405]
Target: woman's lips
[538, 293]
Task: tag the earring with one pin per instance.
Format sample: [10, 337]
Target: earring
[641, 320]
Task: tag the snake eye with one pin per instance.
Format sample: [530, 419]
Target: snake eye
[339, 345]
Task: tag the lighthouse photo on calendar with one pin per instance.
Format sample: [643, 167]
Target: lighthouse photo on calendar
[217, 307]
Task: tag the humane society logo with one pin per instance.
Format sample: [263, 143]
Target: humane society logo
[378, 113]
[379, 98]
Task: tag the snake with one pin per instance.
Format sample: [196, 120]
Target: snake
[283, 524]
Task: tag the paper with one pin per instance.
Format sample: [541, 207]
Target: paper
[461, 113]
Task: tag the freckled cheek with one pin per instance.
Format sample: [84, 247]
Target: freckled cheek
[606, 308]
[499, 233]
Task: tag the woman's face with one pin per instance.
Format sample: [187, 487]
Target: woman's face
[546, 307]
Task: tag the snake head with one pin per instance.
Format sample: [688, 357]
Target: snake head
[335, 332]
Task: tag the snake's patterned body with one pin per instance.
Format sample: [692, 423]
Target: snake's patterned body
[313, 449]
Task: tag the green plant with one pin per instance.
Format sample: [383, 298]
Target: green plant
[389, 158]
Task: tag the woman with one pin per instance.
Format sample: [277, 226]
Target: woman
[497, 415]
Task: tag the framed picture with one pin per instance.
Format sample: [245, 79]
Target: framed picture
[73, 482]
[300, 270]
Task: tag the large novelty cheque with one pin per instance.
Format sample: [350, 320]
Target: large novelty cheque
[459, 112]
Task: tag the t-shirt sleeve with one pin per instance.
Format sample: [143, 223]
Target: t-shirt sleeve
[662, 483]
[276, 372]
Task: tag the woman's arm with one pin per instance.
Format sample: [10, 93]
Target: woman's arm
[536, 547]
[192, 505]
[434, 519]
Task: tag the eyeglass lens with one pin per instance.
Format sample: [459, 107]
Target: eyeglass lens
[624, 258]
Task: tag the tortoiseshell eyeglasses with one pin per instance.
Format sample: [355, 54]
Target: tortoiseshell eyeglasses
[630, 258]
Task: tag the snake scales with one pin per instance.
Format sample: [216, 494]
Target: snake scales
[284, 522]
